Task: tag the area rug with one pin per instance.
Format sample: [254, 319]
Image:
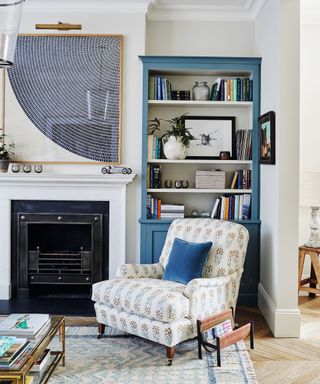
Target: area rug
[125, 359]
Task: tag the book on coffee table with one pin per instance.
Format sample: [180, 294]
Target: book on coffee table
[24, 325]
[13, 353]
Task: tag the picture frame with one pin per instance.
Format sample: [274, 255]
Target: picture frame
[213, 134]
[267, 149]
[62, 115]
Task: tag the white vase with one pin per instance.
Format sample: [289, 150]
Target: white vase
[173, 148]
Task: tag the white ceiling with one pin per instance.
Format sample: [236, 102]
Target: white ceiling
[159, 9]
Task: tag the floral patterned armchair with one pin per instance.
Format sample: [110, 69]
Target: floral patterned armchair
[139, 302]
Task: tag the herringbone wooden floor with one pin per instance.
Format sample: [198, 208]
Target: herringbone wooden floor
[278, 360]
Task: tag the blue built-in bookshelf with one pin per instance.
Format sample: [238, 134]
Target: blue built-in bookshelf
[239, 75]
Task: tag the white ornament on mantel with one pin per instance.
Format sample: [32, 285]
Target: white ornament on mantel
[64, 187]
[314, 240]
[173, 148]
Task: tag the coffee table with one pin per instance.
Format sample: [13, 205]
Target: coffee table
[17, 373]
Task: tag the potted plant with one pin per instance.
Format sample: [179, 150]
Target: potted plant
[177, 139]
[5, 153]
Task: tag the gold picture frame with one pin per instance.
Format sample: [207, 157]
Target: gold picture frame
[61, 150]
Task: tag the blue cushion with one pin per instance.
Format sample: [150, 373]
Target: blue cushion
[186, 261]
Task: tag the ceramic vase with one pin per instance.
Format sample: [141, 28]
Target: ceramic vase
[173, 148]
[201, 91]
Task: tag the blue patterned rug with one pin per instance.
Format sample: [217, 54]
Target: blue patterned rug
[124, 359]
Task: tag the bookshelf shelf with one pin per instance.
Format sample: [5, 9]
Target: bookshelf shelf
[181, 73]
[193, 103]
[196, 190]
[196, 161]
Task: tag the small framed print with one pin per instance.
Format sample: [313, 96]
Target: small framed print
[267, 138]
[212, 135]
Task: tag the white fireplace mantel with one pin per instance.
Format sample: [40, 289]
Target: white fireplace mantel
[67, 187]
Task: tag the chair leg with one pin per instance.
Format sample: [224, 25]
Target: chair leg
[170, 354]
[101, 329]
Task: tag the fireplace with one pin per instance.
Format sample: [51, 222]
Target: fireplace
[59, 247]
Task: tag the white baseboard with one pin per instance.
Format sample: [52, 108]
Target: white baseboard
[282, 322]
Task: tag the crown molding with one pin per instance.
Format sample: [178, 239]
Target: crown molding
[247, 10]
[91, 6]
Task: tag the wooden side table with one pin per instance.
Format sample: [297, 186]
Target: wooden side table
[314, 278]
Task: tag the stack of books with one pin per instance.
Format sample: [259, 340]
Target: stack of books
[171, 211]
[180, 95]
[154, 147]
[210, 179]
[153, 207]
[41, 362]
[241, 179]
[31, 326]
[11, 350]
[154, 175]
[243, 143]
[232, 207]
[238, 89]
[159, 88]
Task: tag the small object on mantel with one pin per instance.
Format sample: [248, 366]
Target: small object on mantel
[60, 26]
[114, 169]
[27, 168]
[224, 155]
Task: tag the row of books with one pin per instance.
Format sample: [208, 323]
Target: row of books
[244, 144]
[239, 89]
[156, 210]
[154, 175]
[154, 147]
[232, 207]
[159, 88]
[241, 179]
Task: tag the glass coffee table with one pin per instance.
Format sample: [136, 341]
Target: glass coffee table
[18, 372]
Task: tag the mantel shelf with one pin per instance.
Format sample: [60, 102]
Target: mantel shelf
[196, 190]
[197, 161]
[194, 103]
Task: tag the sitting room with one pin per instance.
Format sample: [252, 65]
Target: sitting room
[159, 206]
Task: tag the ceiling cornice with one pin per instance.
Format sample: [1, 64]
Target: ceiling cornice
[111, 6]
[248, 10]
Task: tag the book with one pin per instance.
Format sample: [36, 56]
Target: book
[11, 355]
[215, 208]
[234, 180]
[41, 362]
[5, 343]
[222, 329]
[13, 324]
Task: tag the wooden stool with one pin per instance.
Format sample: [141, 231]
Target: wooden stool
[314, 278]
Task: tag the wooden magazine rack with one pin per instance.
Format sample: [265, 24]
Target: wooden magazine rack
[225, 340]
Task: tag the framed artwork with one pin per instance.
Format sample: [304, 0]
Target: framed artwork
[63, 99]
[267, 138]
[213, 134]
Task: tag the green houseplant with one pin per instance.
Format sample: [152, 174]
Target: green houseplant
[5, 153]
[176, 139]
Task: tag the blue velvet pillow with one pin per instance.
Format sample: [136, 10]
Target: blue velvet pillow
[186, 261]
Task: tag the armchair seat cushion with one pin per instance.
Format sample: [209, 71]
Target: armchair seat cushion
[151, 298]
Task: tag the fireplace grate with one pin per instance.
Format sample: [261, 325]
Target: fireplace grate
[59, 266]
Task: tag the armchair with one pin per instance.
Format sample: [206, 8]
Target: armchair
[139, 302]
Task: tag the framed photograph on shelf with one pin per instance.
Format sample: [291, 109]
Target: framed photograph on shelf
[212, 135]
[267, 138]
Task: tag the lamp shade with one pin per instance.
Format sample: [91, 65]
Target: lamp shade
[310, 189]
[10, 15]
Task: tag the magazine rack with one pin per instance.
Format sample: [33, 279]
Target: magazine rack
[225, 340]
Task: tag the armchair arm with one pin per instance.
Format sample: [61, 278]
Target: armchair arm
[137, 271]
[213, 295]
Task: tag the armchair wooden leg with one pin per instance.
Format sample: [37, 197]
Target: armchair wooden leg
[101, 329]
[170, 354]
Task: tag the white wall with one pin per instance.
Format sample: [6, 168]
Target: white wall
[132, 26]
[200, 38]
[309, 119]
[277, 42]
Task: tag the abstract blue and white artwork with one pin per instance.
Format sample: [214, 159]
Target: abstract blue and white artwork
[63, 98]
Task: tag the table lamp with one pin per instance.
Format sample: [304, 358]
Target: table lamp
[310, 197]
